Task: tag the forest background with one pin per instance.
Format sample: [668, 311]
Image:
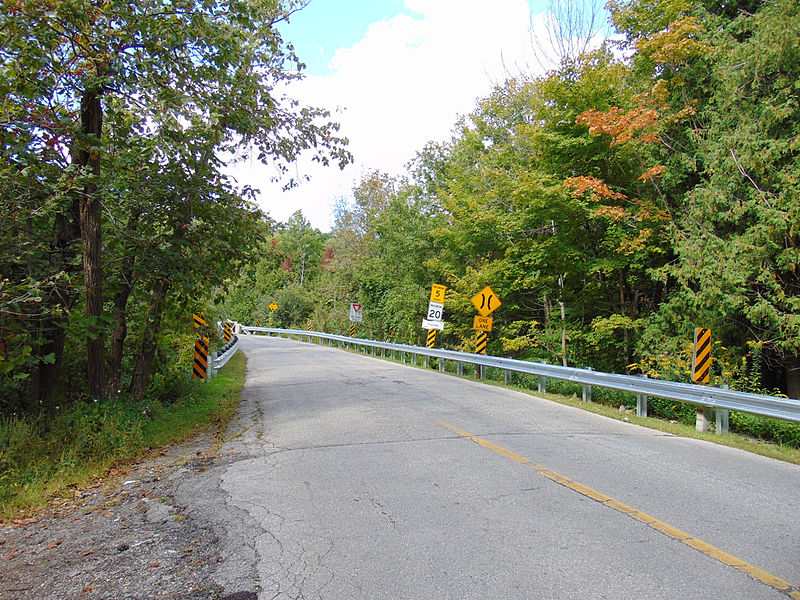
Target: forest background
[629, 195]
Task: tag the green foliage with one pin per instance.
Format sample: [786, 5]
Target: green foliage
[614, 204]
[123, 115]
[40, 458]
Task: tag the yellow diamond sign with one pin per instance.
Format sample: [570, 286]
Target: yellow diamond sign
[486, 301]
[273, 306]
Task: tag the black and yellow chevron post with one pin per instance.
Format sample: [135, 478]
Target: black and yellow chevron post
[352, 330]
[431, 338]
[227, 331]
[480, 342]
[199, 321]
[200, 365]
[310, 326]
[258, 322]
[701, 360]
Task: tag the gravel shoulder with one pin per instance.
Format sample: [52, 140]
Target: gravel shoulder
[131, 535]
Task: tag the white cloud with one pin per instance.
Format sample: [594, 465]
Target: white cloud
[404, 84]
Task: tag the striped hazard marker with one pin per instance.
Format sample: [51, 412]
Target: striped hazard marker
[200, 365]
[480, 342]
[701, 360]
[431, 338]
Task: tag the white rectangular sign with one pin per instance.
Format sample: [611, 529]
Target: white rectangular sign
[426, 324]
[435, 312]
[356, 313]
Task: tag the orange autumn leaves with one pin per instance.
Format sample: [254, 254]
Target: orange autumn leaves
[621, 126]
[636, 125]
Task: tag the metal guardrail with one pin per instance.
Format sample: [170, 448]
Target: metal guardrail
[221, 357]
[757, 404]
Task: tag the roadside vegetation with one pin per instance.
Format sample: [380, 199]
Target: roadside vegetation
[117, 120]
[633, 192]
[42, 458]
[614, 204]
[769, 437]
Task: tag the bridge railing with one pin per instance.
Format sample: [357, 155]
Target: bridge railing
[721, 399]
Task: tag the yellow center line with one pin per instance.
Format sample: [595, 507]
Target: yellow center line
[711, 551]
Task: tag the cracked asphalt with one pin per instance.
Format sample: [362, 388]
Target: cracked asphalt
[340, 481]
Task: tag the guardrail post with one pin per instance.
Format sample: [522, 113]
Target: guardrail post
[483, 371]
[441, 365]
[427, 361]
[641, 402]
[586, 394]
[722, 417]
[210, 371]
[701, 421]
[460, 367]
[723, 421]
[542, 383]
[507, 376]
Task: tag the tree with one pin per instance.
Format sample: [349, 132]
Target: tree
[72, 75]
[738, 242]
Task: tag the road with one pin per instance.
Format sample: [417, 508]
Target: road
[354, 477]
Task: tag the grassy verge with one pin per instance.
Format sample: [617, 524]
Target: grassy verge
[756, 446]
[40, 460]
[752, 440]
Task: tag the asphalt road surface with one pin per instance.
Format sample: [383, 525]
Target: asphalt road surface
[354, 477]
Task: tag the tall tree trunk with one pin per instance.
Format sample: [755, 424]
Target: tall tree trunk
[59, 299]
[626, 338]
[89, 216]
[793, 377]
[563, 321]
[152, 327]
[116, 348]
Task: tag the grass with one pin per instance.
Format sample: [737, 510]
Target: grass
[742, 442]
[749, 443]
[42, 460]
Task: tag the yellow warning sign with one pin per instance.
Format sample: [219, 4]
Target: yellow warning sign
[486, 301]
[273, 306]
[482, 323]
[437, 292]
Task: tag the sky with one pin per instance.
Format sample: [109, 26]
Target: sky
[395, 74]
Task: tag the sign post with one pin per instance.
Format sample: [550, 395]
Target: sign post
[485, 302]
[200, 363]
[701, 371]
[434, 318]
[356, 316]
[431, 338]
